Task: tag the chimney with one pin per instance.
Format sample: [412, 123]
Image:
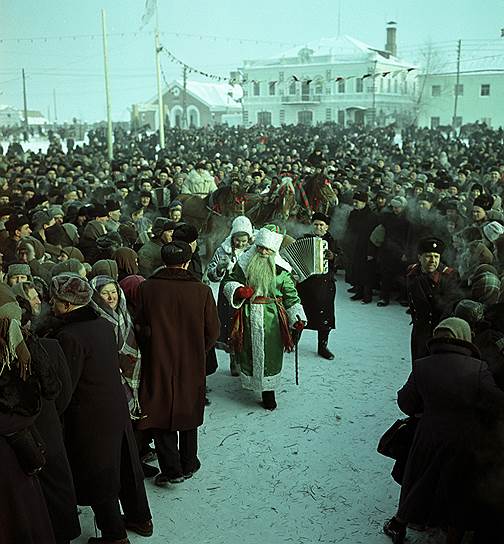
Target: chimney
[391, 45]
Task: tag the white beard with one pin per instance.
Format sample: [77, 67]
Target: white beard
[261, 275]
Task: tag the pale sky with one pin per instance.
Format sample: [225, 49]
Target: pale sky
[58, 42]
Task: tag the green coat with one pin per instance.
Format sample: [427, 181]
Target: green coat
[262, 355]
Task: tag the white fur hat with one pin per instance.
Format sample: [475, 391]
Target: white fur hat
[493, 230]
[269, 238]
[242, 224]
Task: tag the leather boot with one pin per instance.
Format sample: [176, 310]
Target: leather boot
[269, 401]
[233, 366]
[323, 351]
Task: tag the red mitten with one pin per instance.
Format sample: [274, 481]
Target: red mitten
[244, 292]
[298, 326]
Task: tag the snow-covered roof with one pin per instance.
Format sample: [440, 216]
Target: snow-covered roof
[340, 49]
[4, 107]
[214, 95]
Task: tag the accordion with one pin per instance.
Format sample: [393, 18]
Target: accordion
[306, 256]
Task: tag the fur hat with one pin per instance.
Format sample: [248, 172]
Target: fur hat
[71, 288]
[398, 202]
[56, 210]
[70, 266]
[186, 232]
[430, 245]
[270, 238]
[176, 253]
[19, 269]
[162, 224]
[458, 327]
[361, 196]
[470, 310]
[73, 253]
[493, 230]
[483, 201]
[318, 216]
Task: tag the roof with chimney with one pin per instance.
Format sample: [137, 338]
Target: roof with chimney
[341, 49]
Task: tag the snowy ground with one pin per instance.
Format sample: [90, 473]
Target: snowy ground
[307, 472]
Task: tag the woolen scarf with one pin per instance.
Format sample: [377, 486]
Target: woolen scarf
[129, 354]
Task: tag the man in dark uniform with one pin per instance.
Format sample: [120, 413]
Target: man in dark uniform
[432, 291]
[318, 292]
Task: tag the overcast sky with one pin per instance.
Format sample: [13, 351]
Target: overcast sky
[66, 51]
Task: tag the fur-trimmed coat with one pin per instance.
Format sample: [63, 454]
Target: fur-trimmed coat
[177, 324]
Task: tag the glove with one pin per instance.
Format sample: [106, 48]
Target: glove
[329, 255]
[298, 326]
[244, 292]
[221, 268]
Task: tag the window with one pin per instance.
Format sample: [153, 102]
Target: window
[485, 90]
[305, 117]
[457, 121]
[381, 84]
[434, 122]
[341, 117]
[396, 86]
[341, 86]
[282, 117]
[359, 85]
[256, 88]
[280, 76]
[319, 86]
[328, 114]
[272, 88]
[245, 117]
[292, 88]
[389, 85]
[436, 90]
[459, 89]
[328, 89]
[264, 118]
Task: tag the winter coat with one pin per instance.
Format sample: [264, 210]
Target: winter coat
[261, 356]
[360, 225]
[454, 455]
[149, 258]
[431, 297]
[318, 293]
[177, 324]
[23, 512]
[199, 182]
[97, 415]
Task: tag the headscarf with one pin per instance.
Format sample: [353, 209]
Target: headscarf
[126, 260]
[129, 354]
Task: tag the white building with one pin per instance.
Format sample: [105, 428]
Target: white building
[206, 104]
[9, 116]
[333, 79]
[480, 91]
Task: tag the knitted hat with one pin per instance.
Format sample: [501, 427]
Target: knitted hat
[175, 204]
[105, 267]
[176, 253]
[470, 310]
[458, 327]
[185, 232]
[270, 238]
[493, 230]
[71, 288]
[73, 253]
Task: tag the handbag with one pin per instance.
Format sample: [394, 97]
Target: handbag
[396, 441]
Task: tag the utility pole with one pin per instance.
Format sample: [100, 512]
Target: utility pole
[110, 149]
[55, 111]
[184, 96]
[159, 89]
[373, 109]
[457, 82]
[25, 105]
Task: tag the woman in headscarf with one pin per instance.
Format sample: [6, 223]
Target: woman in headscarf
[223, 261]
[127, 262]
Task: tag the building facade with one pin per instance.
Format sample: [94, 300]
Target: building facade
[205, 104]
[480, 94]
[338, 79]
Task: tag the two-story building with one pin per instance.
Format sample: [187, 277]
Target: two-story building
[333, 79]
[480, 92]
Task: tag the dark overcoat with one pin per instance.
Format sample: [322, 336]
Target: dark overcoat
[431, 297]
[317, 294]
[23, 511]
[177, 323]
[455, 452]
[97, 415]
[360, 225]
[56, 476]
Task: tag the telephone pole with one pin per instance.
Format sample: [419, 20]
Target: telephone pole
[184, 96]
[25, 105]
[158, 80]
[110, 149]
[457, 83]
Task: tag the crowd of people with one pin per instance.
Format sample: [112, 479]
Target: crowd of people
[109, 327]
